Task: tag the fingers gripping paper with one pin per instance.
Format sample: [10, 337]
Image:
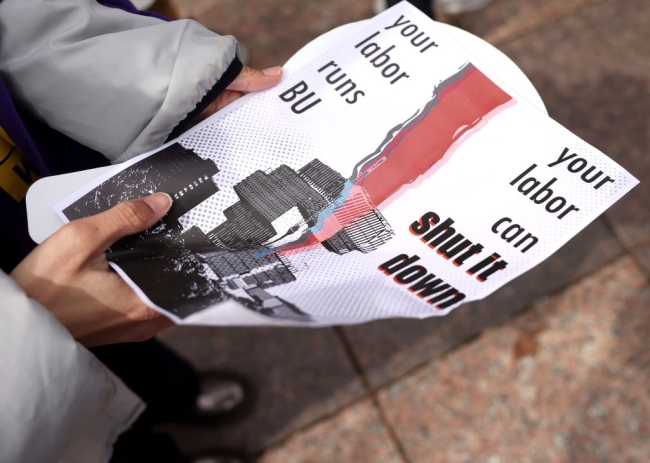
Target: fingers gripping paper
[389, 177]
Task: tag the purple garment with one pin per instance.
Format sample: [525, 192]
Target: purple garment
[126, 5]
[44, 152]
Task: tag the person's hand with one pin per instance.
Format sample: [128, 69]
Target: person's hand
[248, 80]
[69, 275]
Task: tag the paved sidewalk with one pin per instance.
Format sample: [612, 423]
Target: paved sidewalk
[554, 367]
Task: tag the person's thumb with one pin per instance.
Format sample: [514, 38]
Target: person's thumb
[252, 80]
[127, 218]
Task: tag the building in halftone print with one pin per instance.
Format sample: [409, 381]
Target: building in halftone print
[265, 197]
[358, 225]
[251, 267]
[273, 306]
[253, 271]
[365, 234]
[236, 259]
[175, 170]
[189, 181]
[244, 227]
[323, 179]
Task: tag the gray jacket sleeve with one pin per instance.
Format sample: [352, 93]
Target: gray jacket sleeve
[114, 81]
[58, 403]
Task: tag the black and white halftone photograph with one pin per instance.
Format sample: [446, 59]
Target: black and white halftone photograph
[184, 269]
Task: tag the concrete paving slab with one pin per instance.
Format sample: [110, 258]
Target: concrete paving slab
[299, 375]
[355, 435]
[272, 30]
[503, 20]
[642, 254]
[566, 381]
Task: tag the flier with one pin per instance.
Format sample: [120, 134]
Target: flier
[389, 177]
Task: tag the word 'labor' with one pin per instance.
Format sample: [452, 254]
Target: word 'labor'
[543, 194]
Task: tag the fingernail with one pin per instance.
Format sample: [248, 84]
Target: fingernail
[274, 71]
[159, 202]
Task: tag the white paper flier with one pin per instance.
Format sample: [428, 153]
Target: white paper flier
[388, 177]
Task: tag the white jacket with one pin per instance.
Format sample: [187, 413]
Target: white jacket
[118, 83]
[57, 401]
[114, 81]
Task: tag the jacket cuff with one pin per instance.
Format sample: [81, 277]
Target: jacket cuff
[226, 79]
